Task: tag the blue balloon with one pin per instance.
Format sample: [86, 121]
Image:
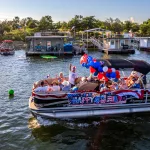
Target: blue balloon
[96, 73]
[97, 64]
[100, 69]
[113, 75]
[89, 59]
[91, 63]
[75, 89]
[108, 75]
[116, 80]
[83, 65]
[87, 66]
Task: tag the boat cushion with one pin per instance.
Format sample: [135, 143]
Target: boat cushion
[88, 86]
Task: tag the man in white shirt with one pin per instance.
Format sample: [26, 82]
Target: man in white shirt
[72, 75]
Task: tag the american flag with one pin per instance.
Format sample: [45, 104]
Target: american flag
[111, 99]
[103, 99]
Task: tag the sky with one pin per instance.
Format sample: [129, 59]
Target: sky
[64, 10]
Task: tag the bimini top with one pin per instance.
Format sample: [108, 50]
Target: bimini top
[7, 41]
[137, 65]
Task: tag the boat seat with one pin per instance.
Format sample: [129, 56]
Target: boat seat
[88, 86]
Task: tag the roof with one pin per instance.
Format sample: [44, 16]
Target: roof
[96, 29]
[137, 65]
[7, 41]
[124, 38]
[45, 37]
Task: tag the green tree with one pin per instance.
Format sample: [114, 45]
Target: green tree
[46, 23]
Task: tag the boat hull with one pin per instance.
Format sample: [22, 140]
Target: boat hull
[88, 111]
[8, 53]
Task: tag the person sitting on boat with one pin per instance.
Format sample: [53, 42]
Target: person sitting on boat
[132, 79]
[122, 84]
[41, 88]
[72, 75]
[66, 86]
[61, 77]
[114, 86]
[103, 85]
[55, 86]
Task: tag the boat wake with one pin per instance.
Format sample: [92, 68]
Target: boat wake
[67, 123]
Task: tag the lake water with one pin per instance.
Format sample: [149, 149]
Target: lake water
[20, 130]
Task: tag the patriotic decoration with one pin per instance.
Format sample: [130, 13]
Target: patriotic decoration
[107, 97]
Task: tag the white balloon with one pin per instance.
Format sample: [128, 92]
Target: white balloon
[113, 69]
[105, 68]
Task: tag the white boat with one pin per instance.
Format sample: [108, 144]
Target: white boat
[88, 102]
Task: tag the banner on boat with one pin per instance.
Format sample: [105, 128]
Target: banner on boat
[94, 98]
[120, 96]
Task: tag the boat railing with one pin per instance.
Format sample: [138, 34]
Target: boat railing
[96, 42]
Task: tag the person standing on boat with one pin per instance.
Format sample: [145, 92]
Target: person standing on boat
[72, 75]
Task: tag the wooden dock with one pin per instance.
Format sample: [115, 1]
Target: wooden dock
[118, 51]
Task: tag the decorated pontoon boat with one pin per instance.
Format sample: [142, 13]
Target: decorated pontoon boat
[7, 47]
[112, 94]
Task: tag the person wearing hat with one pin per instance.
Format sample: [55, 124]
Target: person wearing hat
[72, 75]
[66, 86]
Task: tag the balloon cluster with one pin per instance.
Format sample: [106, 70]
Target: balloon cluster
[98, 69]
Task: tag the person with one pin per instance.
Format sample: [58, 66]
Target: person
[72, 75]
[66, 86]
[55, 86]
[42, 88]
[132, 79]
[60, 77]
[90, 78]
[122, 84]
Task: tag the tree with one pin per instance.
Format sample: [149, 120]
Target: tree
[127, 25]
[77, 22]
[46, 23]
[89, 22]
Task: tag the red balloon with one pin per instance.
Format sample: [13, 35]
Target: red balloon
[83, 59]
[94, 59]
[117, 72]
[118, 76]
[100, 76]
[92, 70]
[106, 79]
[109, 70]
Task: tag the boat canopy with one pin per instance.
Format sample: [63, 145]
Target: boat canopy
[137, 65]
[7, 41]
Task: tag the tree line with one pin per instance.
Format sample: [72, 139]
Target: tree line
[17, 28]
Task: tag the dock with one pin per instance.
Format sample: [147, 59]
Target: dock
[35, 53]
[118, 51]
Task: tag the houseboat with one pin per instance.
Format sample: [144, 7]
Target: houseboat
[50, 44]
[88, 101]
[144, 43]
[7, 47]
[112, 43]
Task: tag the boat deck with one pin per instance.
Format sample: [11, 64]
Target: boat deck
[118, 51]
